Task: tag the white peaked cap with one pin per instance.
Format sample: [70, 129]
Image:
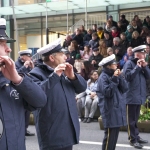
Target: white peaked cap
[140, 48]
[49, 47]
[2, 22]
[107, 60]
[27, 51]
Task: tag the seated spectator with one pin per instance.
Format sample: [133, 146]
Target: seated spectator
[117, 49]
[91, 100]
[114, 32]
[77, 36]
[94, 43]
[126, 57]
[129, 32]
[114, 23]
[136, 40]
[87, 67]
[148, 40]
[67, 42]
[80, 98]
[86, 53]
[147, 58]
[94, 28]
[135, 27]
[109, 51]
[124, 42]
[124, 22]
[108, 26]
[95, 58]
[138, 21]
[102, 48]
[108, 39]
[144, 33]
[87, 37]
[78, 63]
[83, 31]
[100, 33]
[120, 27]
[147, 22]
[73, 49]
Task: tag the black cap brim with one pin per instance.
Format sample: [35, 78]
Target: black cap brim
[9, 40]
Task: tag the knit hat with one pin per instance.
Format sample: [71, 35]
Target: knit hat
[78, 56]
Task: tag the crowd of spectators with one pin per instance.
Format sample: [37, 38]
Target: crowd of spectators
[86, 48]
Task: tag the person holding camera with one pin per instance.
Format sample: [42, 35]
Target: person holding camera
[110, 90]
[136, 73]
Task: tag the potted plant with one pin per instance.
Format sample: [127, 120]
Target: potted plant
[144, 118]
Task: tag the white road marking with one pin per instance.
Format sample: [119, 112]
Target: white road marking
[118, 145]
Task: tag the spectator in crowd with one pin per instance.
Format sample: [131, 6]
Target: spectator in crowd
[148, 40]
[136, 73]
[86, 53]
[135, 26]
[124, 22]
[108, 26]
[117, 49]
[120, 27]
[108, 39]
[123, 41]
[144, 33]
[94, 43]
[114, 23]
[147, 57]
[95, 58]
[94, 28]
[102, 48]
[114, 32]
[87, 67]
[126, 57]
[110, 90]
[57, 123]
[87, 37]
[109, 51]
[24, 64]
[83, 31]
[78, 63]
[136, 39]
[78, 37]
[100, 33]
[67, 42]
[138, 21]
[73, 49]
[91, 100]
[128, 33]
[147, 22]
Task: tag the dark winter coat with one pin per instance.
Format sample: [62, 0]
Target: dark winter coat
[13, 101]
[110, 90]
[94, 43]
[20, 66]
[136, 79]
[57, 123]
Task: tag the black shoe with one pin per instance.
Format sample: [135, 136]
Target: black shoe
[29, 134]
[136, 145]
[85, 120]
[142, 141]
[89, 120]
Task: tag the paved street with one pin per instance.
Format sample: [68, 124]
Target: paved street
[91, 138]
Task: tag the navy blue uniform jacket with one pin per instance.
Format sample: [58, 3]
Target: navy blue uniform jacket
[112, 105]
[13, 100]
[136, 79]
[57, 123]
[20, 66]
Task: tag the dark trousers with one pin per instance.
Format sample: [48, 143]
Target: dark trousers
[133, 112]
[110, 138]
[66, 148]
[27, 117]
